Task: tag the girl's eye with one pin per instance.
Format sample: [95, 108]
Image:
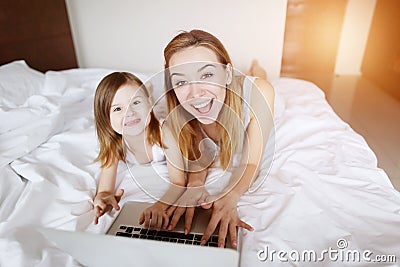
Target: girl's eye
[116, 109]
[180, 83]
[207, 75]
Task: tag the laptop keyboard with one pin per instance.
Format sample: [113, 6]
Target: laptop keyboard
[173, 237]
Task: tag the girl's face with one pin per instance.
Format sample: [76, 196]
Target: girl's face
[199, 82]
[130, 110]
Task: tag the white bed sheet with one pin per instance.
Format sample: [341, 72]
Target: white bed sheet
[324, 184]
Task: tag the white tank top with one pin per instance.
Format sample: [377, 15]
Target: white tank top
[158, 156]
[208, 146]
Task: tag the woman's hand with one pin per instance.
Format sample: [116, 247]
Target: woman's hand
[155, 216]
[225, 214]
[105, 201]
[192, 197]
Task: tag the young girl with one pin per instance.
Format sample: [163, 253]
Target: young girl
[123, 104]
[235, 113]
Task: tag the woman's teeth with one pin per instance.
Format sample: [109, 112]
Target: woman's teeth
[202, 105]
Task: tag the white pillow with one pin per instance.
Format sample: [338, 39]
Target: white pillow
[18, 82]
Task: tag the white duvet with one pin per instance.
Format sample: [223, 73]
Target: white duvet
[324, 189]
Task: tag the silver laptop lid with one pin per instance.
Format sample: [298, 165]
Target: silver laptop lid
[105, 250]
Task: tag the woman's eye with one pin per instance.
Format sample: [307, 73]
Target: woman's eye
[180, 83]
[207, 75]
[137, 102]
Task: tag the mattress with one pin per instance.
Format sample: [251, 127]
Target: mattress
[324, 201]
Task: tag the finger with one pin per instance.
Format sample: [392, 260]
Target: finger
[147, 219]
[119, 194]
[165, 221]
[232, 235]
[175, 219]
[188, 219]
[202, 199]
[114, 204]
[98, 213]
[96, 218]
[159, 222]
[206, 206]
[208, 202]
[210, 229]
[102, 206]
[171, 210]
[97, 210]
[223, 229]
[245, 225]
[141, 219]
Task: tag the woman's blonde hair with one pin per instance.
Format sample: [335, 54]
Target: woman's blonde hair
[229, 121]
[111, 142]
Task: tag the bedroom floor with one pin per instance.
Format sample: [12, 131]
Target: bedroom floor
[372, 113]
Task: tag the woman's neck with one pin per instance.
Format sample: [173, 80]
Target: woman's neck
[211, 130]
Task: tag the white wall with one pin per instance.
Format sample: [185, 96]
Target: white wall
[131, 34]
[356, 25]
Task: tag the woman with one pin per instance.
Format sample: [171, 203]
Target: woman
[208, 106]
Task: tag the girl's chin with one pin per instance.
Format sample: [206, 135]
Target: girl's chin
[132, 132]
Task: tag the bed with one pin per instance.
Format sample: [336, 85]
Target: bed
[324, 190]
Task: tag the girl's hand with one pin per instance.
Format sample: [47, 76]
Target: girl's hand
[193, 196]
[225, 214]
[105, 201]
[155, 216]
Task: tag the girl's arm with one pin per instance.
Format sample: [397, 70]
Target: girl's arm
[261, 123]
[105, 197]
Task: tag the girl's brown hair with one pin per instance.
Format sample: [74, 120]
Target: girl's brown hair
[229, 124]
[111, 142]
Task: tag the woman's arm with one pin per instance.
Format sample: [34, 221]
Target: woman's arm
[175, 166]
[157, 216]
[105, 197]
[194, 195]
[261, 123]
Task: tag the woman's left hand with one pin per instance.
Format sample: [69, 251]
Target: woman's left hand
[225, 214]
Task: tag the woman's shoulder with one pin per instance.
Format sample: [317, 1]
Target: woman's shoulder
[264, 87]
[262, 96]
[260, 84]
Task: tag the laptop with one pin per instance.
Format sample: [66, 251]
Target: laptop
[126, 225]
[127, 243]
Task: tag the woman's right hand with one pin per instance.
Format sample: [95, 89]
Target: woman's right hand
[191, 198]
[155, 216]
[105, 201]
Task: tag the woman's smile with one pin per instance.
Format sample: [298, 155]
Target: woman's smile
[203, 107]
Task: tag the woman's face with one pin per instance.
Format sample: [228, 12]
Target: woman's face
[199, 82]
[130, 110]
